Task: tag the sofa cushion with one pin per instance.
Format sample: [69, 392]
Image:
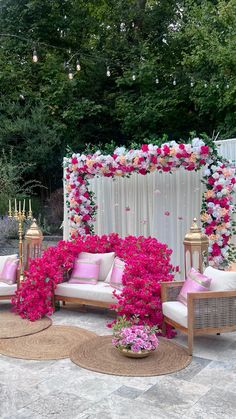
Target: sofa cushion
[4, 258]
[7, 289]
[106, 262]
[99, 292]
[176, 311]
[195, 282]
[221, 280]
[117, 273]
[85, 271]
[9, 271]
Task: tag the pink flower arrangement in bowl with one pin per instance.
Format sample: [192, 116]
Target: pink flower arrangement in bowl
[133, 340]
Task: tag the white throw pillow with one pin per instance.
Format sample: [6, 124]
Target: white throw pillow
[221, 280]
[3, 260]
[106, 262]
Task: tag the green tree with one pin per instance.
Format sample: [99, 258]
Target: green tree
[152, 52]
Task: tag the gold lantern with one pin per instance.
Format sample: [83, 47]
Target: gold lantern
[195, 249]
[33, 243]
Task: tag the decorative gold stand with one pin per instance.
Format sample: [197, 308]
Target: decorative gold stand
[20, 216]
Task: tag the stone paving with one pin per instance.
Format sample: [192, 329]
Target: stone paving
[60, 389]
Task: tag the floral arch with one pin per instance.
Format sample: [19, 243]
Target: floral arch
[147, 260]
[219, 179]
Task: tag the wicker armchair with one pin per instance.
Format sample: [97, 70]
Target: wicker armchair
[207, 312]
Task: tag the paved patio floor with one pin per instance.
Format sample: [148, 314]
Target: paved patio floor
[60, 389]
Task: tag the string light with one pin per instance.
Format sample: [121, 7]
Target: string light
[70, 74]
[205, 85]
[217, 86]
[191, 83]
[108, 72]
[227, 86]
[174, 82]
[157, 80]
[35, 56]
[133, 77]
[78, 66]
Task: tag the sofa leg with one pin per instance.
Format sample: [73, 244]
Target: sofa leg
[190, 344]
[218, 334]
[164, 328]
[63, 303]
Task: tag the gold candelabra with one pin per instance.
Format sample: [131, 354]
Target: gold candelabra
[20, 215]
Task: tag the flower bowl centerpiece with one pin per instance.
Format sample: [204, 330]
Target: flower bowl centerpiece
[133, 340]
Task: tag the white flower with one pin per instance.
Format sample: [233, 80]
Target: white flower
[173, 144]
[197, 142]
[207, 172]
[120, 151]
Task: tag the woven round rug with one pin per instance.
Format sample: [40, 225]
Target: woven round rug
[53, 343]
[12, 325]
[99, 355]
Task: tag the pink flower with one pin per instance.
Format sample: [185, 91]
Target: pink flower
[144, 148]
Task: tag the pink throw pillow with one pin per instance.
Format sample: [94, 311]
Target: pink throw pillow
[117, 273]
[8, 274]
[85, 272]
[195, 282]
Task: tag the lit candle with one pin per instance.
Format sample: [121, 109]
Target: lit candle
[30, 205]
[24, 206]
[9, 206]
[15, 206]
[19, 206]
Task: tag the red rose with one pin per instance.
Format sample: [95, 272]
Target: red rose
[204, 149]
[74, 160]
[144, 148]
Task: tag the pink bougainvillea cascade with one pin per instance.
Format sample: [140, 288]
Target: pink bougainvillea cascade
[147, 263]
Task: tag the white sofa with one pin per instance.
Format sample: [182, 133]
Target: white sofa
[98, 295]
[7, 291]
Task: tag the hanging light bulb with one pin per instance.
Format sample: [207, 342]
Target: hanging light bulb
[133, 77]
[217, 86]
[227, 86]
[70, 74]
[157, 80]
[78, 66]
[174, 82]
[108, 72]
[205, 85]
[35, 57]
[191, 83]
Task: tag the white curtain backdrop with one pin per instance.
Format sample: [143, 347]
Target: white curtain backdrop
[160, 205]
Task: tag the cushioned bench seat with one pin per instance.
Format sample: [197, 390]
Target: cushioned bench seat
[176, 311]
[7, 290]
[102, 292]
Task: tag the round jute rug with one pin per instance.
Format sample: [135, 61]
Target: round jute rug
[12, 325]
[53, 343]
[99, 355]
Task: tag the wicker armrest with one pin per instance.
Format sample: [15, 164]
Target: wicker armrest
[170, 290]
[212, 309]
